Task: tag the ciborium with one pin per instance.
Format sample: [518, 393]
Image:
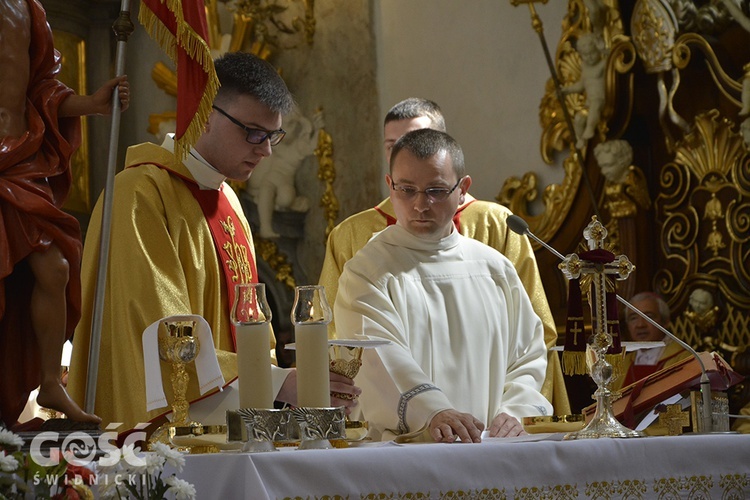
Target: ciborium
[178, 346]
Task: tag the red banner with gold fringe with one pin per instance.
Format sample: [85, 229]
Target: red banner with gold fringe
[181, 30]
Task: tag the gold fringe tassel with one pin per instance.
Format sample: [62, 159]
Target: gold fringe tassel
[574, 363]
[197, 48]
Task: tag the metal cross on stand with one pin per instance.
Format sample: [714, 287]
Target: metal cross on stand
[598, 263]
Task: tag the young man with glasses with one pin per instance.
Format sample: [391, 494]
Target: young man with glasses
[179, 243]
[481, 220]
[466, 349]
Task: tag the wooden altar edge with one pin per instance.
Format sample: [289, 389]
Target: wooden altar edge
[679, 377]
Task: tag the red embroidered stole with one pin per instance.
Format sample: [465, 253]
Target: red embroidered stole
[231, 243]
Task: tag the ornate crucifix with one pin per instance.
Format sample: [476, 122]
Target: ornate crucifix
[598, 263]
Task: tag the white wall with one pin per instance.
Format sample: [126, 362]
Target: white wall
[482, 62]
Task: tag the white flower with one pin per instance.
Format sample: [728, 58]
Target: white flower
[134, 460]
[181, 489]
[173, 457]
[8, 463]
[154, 463]
[9, 439]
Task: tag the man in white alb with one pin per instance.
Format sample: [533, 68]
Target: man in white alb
[467, 350]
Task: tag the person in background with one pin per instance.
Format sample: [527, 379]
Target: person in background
[481, 220]
[466, 349]
[643, 362]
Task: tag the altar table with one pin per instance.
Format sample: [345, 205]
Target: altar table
[689, 466]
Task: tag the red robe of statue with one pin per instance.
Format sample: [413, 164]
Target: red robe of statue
[34, 182]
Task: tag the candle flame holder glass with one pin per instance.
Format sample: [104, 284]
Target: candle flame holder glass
[250, 305]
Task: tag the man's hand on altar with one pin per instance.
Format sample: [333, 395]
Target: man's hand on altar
[506, 426]
[452, 425]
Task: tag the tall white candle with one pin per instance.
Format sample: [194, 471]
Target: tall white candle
[313, 385]
[254, 365]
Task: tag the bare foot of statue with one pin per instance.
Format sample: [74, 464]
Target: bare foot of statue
[53, 395]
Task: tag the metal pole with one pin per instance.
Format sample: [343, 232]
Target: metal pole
[122, 27]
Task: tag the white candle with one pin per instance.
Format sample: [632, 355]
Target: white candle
[254, 365]
[313, 385]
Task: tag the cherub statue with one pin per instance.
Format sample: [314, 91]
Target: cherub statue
[597, 11]
[625, 187]
[704, 314]
[272, 184]
[593, 64]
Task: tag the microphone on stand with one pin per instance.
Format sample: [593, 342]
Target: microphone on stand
[520, 226]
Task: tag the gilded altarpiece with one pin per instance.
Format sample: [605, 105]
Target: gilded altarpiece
[676, 89]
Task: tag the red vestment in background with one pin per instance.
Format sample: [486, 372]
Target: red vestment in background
[34, 182]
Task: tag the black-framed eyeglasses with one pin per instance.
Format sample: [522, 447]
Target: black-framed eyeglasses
[434, 194]
[255, 135]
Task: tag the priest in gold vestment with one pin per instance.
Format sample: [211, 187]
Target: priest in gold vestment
[179, 243]
[480, 220]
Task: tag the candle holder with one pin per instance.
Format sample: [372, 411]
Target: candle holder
[310, 316]
[265, 427]
[178, 346]
[318, 426]
[251, 316]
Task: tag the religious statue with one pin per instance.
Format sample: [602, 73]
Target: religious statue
[703, 314]
[40, 245]
[272, 184]
[625, 187]
[597, 11]
[593, 64]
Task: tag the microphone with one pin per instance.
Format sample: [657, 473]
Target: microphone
[520, 226]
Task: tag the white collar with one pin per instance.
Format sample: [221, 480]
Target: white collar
[204, 174]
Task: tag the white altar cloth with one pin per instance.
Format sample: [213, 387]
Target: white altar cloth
[688, 466]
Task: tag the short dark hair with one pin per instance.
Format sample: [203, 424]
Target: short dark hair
[426, 143]
[244, 73]
[415, 107]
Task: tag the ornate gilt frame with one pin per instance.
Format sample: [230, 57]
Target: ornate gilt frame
[73, 74]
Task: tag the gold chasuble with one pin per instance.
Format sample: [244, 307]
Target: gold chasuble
[163, 262]
[480, 220]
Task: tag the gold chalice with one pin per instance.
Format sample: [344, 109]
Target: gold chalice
[346, 360]
[177, 346]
